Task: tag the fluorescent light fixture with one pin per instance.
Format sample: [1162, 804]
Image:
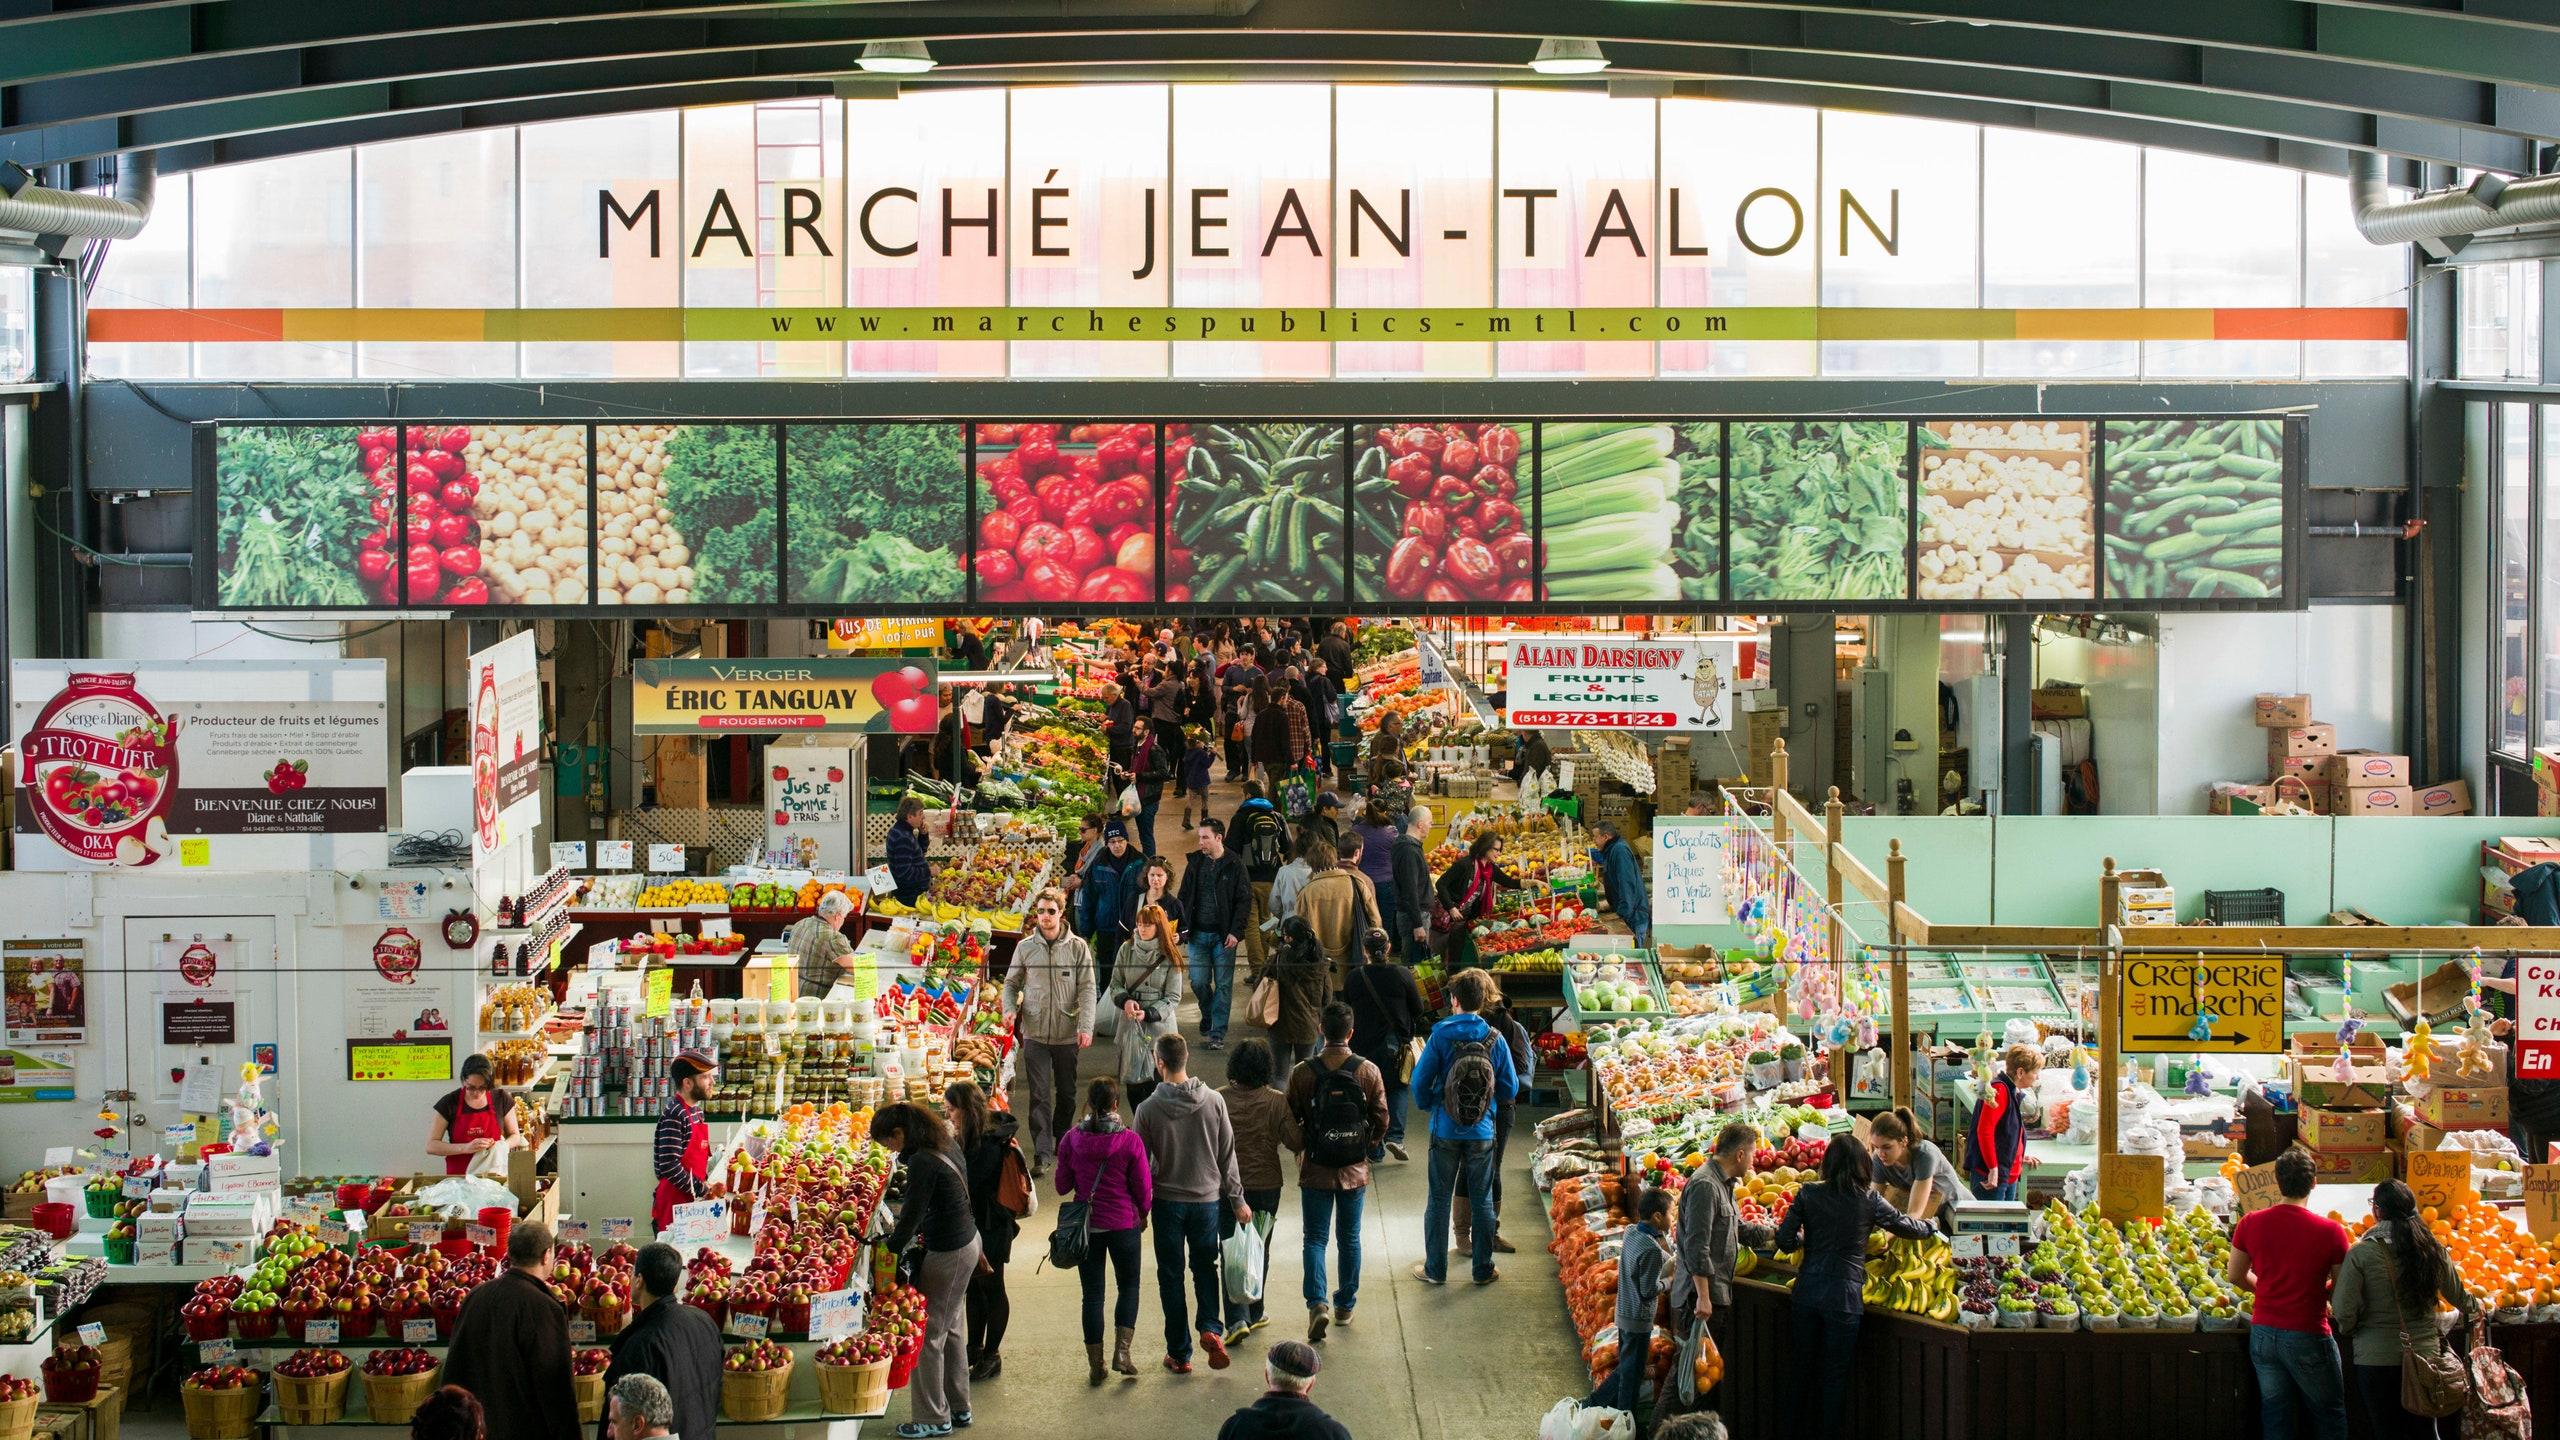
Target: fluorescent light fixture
[1569, 57]
[895, 57]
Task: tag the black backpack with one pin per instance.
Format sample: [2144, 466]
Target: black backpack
[1337, 1120]
[1266, 844]
[1466, 1092]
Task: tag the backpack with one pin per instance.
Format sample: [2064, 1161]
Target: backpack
[2499, 1408]
[1266, 844]
[1466, 1092]
[1337, 1123]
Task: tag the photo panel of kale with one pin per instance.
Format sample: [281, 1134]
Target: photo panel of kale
[2008, 510]
[308, 517]
[1441, 511]
[2195, 509]
[1257, 515]
[879, 513]
[1819, 510]
[686, 514]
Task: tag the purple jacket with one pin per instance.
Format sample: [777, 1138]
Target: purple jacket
[1108, 1170]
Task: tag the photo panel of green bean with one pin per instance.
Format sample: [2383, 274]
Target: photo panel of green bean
[2195, 509]
[687, 514]
[879, 513]
[1440, 512]
[306, 517]
[1257, 514]
[2008, 510]
[1819, 510]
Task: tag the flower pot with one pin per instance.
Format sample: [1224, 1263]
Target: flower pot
[590, 1392]
[312, 1399]
[217, 1414]
[749, 1397]
[853, 1389]
[393, 1399]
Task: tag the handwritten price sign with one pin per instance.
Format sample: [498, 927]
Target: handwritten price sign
[2256, 1187]
[2542, 1201]
[572, 1231]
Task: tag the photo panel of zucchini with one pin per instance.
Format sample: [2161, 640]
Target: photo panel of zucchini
[500, 510]
[1067, 510]
[2008, 510]
[1819, 510]
[307, 517]
[1614, 506]
[879, 513]
[1257, 515]
[687, 514]
[2195, 509]
[1441, 512]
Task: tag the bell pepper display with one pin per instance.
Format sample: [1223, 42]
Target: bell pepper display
[1441, 512]
[1257, 514]
[1067, 513]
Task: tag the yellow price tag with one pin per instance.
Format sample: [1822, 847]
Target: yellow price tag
[195, 852]
[2132, 1187]
[2440, 1177]
[661, 993]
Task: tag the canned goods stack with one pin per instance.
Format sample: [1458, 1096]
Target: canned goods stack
[621, 1067]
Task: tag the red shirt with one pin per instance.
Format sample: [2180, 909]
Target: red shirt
[2291, 1252]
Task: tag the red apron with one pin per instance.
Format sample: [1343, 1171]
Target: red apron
[697, 1163]
[469, 1125]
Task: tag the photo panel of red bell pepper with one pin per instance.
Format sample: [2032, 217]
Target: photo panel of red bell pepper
[688, 514]
[1067, 512]
[1442, 512]
[1257, 513]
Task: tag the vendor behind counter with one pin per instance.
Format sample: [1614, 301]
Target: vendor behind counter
[472, 1119]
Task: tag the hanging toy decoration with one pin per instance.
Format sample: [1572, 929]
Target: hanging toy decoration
[2202, 1029]
[2472, 1061]
[2418, 1058]
[2079, 1066]
[2199, 1080]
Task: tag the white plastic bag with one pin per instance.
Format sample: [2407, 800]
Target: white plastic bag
[1573, 1420]
[1240, 1256]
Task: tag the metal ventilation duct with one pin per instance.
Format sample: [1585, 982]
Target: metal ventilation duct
[43, 212]
[2447, 223]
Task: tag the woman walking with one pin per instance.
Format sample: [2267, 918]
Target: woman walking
[2385, 1303]
[935, 1215]
[1830, 1223]
[999, 1180]
[1298, 963]
[1260, 1115]
[1103, 1163]
[1153, 886]
[1146, 988]
[1376, 827]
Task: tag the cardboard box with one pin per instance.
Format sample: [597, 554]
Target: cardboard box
[2309, 769]
[2418, 1135]
[2301, 740]
[2054, 700]
[2450, 1107]
[100, 1418]
[221, 1216]
[2546, 768]
[2360, 769]
[163, 1251]
[239, 1174]
[2314, 1070]
[2344, 1129]
[2450, 798]
[2238, 797]
[2275, 712]
[2382, 800]
[2353, 1167]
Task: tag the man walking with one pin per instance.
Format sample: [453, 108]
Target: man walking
[1191, 1148]
[1048, 995]
[1217, 903]
[1412, 921]
[1465, 1072]
[510, 1346]
[1261, 839]
[1337, 1114]
[669, 1344]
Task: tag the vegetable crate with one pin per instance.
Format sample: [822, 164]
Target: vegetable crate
[1590, 1001]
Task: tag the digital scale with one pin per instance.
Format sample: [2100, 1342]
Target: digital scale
[1991, 1227]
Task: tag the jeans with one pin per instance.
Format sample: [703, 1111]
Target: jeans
[1458, 1167]
[1147, 823]
[1397, 1090]
[1625, 1385]
[1192, 1226]
[1213, 979]
[2298, 1374]
[1266, 1215]
[2385, 1420]
[1287, 1056]
[1830, 1341]
[1981, 1191]
[1119, 1248]
[1339, 1209]
[990, 1311]
[1051, 1070]
[1502, 1112]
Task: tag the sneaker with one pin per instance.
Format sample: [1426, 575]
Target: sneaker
[1341, 1314]
[1502, 1246]
[1215, 1346]
[1315, 1324]
[1488, 1277]
[917, 1430]
[962, 1420]
[1242, 1328]
[1215, 1042]
[1178, 1367]
[1397, 1150]
[1423, 1273]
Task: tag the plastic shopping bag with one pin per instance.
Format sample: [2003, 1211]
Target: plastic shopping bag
[1573, 1420]
[1240, 1257]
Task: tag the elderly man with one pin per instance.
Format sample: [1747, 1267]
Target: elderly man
[1284, 1412]
[1411, 924]
[638, 1408]
[818, 947]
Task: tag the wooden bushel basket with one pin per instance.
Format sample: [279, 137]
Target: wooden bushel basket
[854, 1389]
[312, 1399]
[752, 1396]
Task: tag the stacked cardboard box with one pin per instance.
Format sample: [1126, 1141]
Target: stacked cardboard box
[2452, 1100]
[2546, 781]
[2365, 783]
[2346, 1122]
[2340, 782]
[1673, 777]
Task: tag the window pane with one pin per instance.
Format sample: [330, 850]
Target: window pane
[2547, 604]
[409, 195]
[1592, 155]
[148, 272]
[1435, 143]
[2220, 232]
[749, 171]
[1269, 148]
[2501, 321]
[1715, 155]
[947, 147]
[1104, 147]
[2514, 568]
[1889, 243]
[276, 232]
[2061, 227]
[2341, 267]
[633, 159]
[17, 324]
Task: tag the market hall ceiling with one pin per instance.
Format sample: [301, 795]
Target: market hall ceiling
[2297, 82]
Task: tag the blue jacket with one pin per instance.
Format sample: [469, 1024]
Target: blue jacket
[1433, 1069]
[906, 863]
[1622, 880]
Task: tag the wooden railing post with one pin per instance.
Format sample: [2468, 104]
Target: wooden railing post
[1901, 972]
[2110, 978]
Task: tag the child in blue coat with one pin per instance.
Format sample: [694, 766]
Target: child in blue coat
[1194, 779]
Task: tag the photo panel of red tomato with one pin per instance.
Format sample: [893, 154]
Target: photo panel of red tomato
[1067, 513]
[1257, 513]
[1441, 512]
[497, 514]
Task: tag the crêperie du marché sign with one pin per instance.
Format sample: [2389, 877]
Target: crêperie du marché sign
[1610, 683]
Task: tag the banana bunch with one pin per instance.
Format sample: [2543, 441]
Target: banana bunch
[1917, 1277]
